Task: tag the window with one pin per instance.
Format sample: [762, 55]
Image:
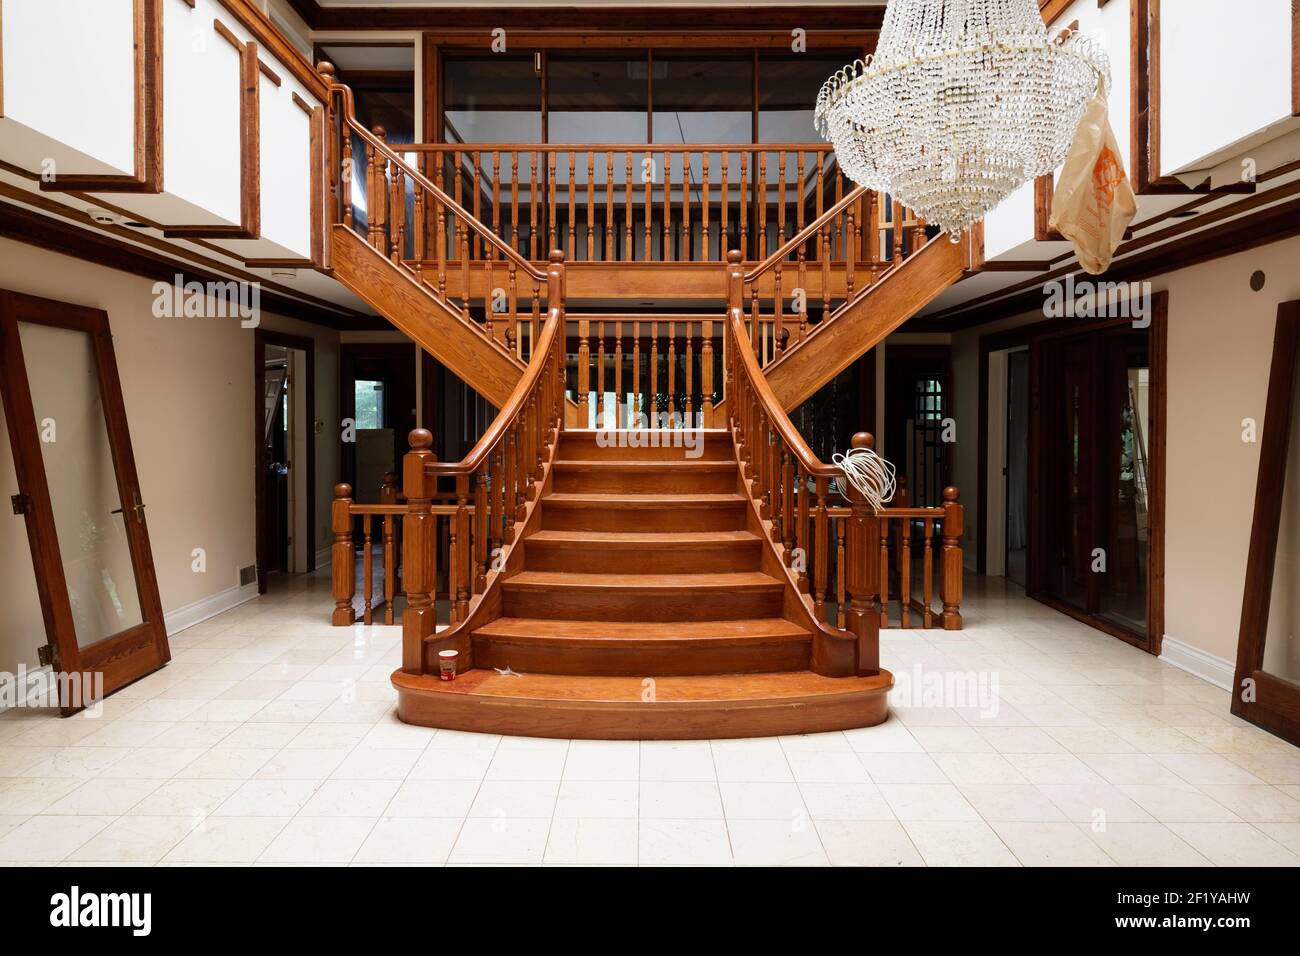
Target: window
[369, 404]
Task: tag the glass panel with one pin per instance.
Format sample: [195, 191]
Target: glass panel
[82, 481]
[370, 404]
[787, 92]
[703, 100]
[494, 99]
[615, 89]
[1282, 639]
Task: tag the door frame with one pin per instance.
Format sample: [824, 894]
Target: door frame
[124, 657]
[261, 339]
[1276, 706]
[1028, 335]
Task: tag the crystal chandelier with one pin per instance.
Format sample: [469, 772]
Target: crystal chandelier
[962, 103]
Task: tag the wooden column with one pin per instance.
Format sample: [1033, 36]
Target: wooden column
[343, 558]
[419, 552]
[950, 585]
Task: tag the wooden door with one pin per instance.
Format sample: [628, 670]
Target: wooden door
[80, 496]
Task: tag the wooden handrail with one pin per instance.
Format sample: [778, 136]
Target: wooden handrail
[518, 401]
[808, 232]
[348, 116]
[742, 351]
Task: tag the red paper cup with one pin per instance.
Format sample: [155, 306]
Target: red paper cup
[447, 664]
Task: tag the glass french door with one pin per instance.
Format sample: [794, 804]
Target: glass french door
[80, 497]
[1094, 437]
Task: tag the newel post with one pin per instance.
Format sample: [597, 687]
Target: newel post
[343, 558]
[419, 551]
[556, 293]
[950, 583]
[862, 546]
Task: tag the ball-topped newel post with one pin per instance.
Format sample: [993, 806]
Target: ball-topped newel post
[863, 573]
[419, 550]
[343, 557]
[326, 69]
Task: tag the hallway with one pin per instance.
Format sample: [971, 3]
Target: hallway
[271, 738]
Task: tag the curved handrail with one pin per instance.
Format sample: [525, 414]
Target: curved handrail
[517, 403]
[808, 232]
[349, 118]
[742, 351]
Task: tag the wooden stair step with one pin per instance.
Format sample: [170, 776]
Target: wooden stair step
[616, 648]
[646, 511]
[597, 552]
[640, 445]
[627, 708]
[633, 475]
[646, 597]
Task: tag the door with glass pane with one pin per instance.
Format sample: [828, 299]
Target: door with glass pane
[80, 497]
[1267, 685]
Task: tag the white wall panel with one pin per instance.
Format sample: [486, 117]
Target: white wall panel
[286, 170]
[69, 73]
[1225, 75]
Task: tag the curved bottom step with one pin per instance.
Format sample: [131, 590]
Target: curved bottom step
[633, 708]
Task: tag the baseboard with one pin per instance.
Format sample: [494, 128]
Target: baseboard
[31, 686]
[191, 614]
[1216, 670]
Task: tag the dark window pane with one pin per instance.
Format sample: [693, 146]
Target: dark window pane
[703, 99]
[496, 99]
[787, 93]
[597, 99]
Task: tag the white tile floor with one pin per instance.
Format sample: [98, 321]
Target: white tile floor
[271, 739]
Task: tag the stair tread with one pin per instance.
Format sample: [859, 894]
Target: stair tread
[737, 630]
[644, 464]
[655, 498]
[714, 581]
[647, 539]
[703, 690]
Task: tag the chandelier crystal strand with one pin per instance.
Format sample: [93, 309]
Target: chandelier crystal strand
[963, 102]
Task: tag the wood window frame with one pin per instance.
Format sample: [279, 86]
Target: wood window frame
[1276, 702]
[1158, 357]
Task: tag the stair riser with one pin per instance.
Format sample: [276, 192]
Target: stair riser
[630, 604]
[719, 517]
[679, 559]
[679, 481]
[636, 659]
[577, 447]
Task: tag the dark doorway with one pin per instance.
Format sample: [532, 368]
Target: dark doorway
[1017, 466]
[918, 404]
[377, 382]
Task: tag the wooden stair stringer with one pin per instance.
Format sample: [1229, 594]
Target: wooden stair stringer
[866, 320]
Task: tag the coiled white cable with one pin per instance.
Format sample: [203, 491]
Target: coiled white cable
[871, 475]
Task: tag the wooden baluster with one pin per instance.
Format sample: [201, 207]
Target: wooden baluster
[480, 530]
[496, 198]
[634, 413]
[774, 450]
[647, 180]
[873, 236]
[489, 289]
[706, 373]
[822, 545]
[841, 574]
[823, 251]
[343, 557]
[743, 245]
[441, 238]
[571, 169]
[618, 374]
[390, 571]
[346, 176]
[726, 207]
[689, 403]
[512, 324]
[462, 555]
[762, 205]
[884, 573]
[927, 572]
[778, 319]
[550, 202]
[672, 374]
[535, 325]
[591, 207]
[514, 201]
[951, 584]
[684, 246]
[905, 572]
[397, 203]
[850, 250]
[421, 236]
[600, 376]
[610, 226]
[378, 194]
[787, 507]
[668, 207]
[629, 250]
[476, 170]
[839, 220]
[523, 469]
[534, 196]
[654, 374]
[584, 373]
[510, 487]
[801, 530]
[824, 243]
[917, 239]
[802, 252]
[762, 441]
[780, 199]
[898, 232]
[367, 572]
[419, 551]
[704, 208]
[497, 490]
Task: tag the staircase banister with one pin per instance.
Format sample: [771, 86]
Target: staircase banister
[808, 232]
[776, 415]
[518, 400]
[349, 118]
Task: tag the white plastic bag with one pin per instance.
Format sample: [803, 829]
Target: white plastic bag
[1094, 202]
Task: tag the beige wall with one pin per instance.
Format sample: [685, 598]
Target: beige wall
[189, 392]
[1220, 347]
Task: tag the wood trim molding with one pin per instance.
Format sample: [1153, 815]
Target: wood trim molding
[250, 150]
[1295, 57]
[1044, 192]
[1276, 703]
[148, 174]
[268, 36]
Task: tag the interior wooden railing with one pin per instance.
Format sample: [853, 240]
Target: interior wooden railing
[382, 196]
[639, 202]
